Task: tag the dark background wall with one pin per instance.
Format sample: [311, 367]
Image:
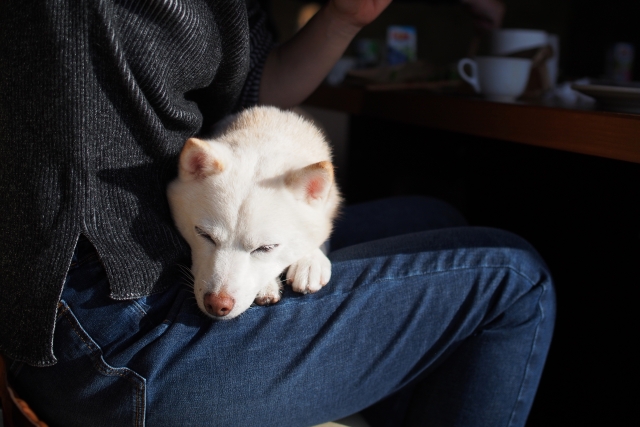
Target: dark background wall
[592, 27]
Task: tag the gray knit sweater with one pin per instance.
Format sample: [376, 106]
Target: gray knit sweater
[96, 100]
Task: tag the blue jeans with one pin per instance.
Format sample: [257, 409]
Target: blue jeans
[461, 317]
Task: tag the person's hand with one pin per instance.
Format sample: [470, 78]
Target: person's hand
[357, 13]
[487, 14]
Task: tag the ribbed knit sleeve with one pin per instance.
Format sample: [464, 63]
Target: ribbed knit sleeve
[96, 100]
[261, 43]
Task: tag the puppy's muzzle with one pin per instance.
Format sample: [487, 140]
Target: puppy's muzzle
[218, 305]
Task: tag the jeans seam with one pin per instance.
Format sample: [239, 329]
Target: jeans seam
[426, 273]
[519, 399]
[139, 389]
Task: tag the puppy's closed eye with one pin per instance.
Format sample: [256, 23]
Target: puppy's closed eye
[265, 248]
[205, 235]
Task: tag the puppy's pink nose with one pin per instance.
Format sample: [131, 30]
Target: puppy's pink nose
[218, 305]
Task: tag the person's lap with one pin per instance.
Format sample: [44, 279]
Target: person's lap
[396, 308]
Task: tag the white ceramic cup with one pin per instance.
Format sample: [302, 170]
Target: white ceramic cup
[510, 40]
[498, 79]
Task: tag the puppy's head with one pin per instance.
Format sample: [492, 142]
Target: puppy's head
[246, 224]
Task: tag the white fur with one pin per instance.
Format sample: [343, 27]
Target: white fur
[248, 188]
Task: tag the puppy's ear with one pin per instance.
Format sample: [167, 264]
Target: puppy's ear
[198, 161]
[311, 183]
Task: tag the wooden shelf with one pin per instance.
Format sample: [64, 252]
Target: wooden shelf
[596, 133]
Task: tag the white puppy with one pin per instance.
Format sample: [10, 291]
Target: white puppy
[256, 199]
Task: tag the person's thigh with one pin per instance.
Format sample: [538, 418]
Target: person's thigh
[394, 309]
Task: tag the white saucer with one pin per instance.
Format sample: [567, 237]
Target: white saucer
[625, 99]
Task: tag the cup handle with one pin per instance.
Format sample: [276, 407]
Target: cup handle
[472, 78]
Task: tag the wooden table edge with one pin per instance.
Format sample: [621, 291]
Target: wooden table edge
[597, 133]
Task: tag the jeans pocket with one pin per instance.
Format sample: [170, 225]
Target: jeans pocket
[81, 389]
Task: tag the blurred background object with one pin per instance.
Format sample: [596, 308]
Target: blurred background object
[401, 44]
[619, 65]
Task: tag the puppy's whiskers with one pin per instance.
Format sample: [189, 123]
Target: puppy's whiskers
[186, 277]
[186, 271]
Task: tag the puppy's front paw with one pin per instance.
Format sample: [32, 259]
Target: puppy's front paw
[270, 294]
[309, 274]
